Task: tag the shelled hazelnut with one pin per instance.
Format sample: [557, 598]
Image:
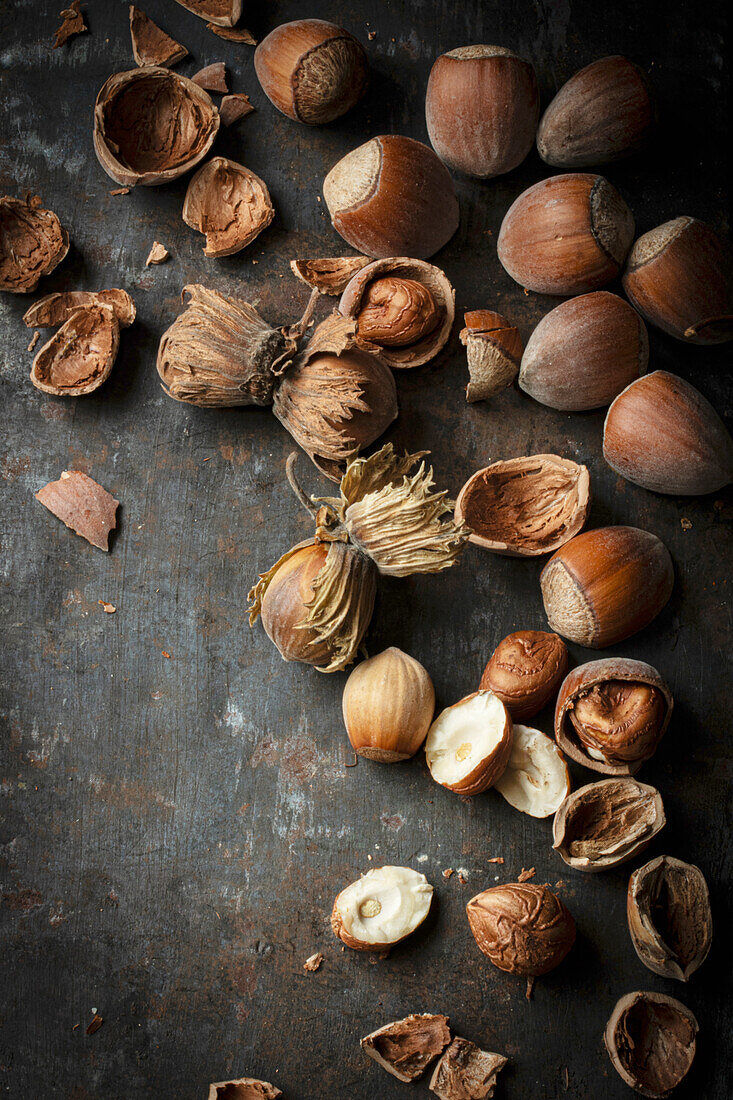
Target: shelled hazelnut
[668, 908]
[468, 744]
[493, 350]
[536, 780]
[380, 909]
[388, 705]
[604, 824]
[651, 1040]
[522, 927]
[525, 671]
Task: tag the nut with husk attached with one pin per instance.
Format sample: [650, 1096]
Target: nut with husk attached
[229, 204]
[243, 1088]
[55, 309]
[380, 909]
[388, 705]
[536, 780]
[668, 908]
[522, 927]
[493, 349]
[316, 602]
[405, 1048]
[465, 1072]
[606, 823]
[32, 243]
[80, 356]
[651, 1041]
[329, 274]
[468, 744]
[525, 671]
[223, 13]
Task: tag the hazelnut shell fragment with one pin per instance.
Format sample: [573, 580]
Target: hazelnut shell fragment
[330, 274]
[405, 1048]
[243, 1088]
[668, 908]
[522, 927]
[536, 780]
[54, 309]
[73, 23]
[493, 350]
[607, 823]
[380, 909]
[388, 706]
[32, 243]
[651, 1041]
[233, 107]
[79, 357]
[151, 45]
[525, 671]
[213, 78]
[465, 1072]
[469, 743]
[229, 204]
[224, 13]
[83, 505]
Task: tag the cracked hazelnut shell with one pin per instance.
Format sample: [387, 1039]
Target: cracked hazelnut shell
[668, 909]
[32, 243]
[79, 357]
[493, 351]
[662, 434]
[566, 235]
[392, 196]
[405, 1048]
[54, 309]
[465, 1072]
[468, 745]
[329, 274]
[607, 823]
[150, 44]
[224, 13]
[522, 927]
[243, 1088]
[388, 706]
[227, 203]
[525, 671]
[651, 1041]
[381, 908]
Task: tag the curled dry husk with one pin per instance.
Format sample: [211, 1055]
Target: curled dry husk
[151, 125]
[668, 907]
[79, 357]
[229, 204]
[651, 1041]
[224, 13]
[493, 351]
[54, 309]
[329, 274]
[32, 243]
[603, 824]
[386, 520]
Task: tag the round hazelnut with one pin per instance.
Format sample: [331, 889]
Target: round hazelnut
[493, 350]
[661, 433]
[481, 109]
[604, 824]
[525, 671]
[388, 705]
[566, 235]
[522, 927]
[651, 1041]
[584, 352]
[668, 909]
[392, 197]
[311, 70]
[468, 744]
[396, 312]
[381, 908]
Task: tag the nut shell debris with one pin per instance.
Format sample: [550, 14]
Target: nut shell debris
[465, 1072]
[330, 274]
[668, 909]
[150, 44]
[32, 243]
[405, 1048]
[243, 1088]
[229, 204]
[522, 927]
[607, 823]
[651, 1041]
[223, 13]
[83, 505]
[233, 107]
[73, 23]
[79, 357]
[213, 78]
[493, 350]
[158, 254]
[54, 309]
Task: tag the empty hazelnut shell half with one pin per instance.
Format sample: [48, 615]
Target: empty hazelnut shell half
[229, 204]
[604, 824]
[468, 744]
[566, 235]
[525, 671]
[465, 1072]
[523, 507]
[668, 908]
[79, 357]
[32, 243]
[381, 908]
[661, 433]
[522, 927]
[405, 1048]
[406, 307]
[224, 13]
[611, 714]
[536, 780]
[54, 309]
[152, 125]
[243, 1088]
[493, 350]
[651, 1041]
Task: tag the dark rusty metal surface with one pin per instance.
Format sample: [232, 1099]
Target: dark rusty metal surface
[176, 811]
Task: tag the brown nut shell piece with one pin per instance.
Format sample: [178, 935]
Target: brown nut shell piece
[233, 107]
[680, 278]
[584, 352]
[224, 13]
[493, 350]
[229, 204]
[405, 1048]
[651, 1041]
[441, 293]
[392, 196]
[668, 909]
[79, 357]
[73, 23]
[54, 309]
[603, 113]
[607, 584]
[152, 125]
[465, 1072]
[566, 235]
[524, 507]
[83, 505]
[32, 243]
[525, 671]
[522, 927]
[151, 45]
[607, 823]
[329, 274]
[213, 78]
[627, 735]
[662, 434]
[243, 1088]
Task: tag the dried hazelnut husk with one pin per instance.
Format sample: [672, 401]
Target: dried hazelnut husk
[388, 705]
[152, 125]
[223, 13]
[329, 274]
[606, 823]
[405, 1048]
[243, 1088]
[80, 356]
[611, 714]
[229, 204]
[54, 309]
[468, 744]
[405, 307]
[668, 908]
[380, 909]
[493, 350]
[536, 780]
[32, 243]
[522, 927]
[523, 507]
[465, 1072]
[525, 671]
[651, 1041]
[317, 600]
[151, 45]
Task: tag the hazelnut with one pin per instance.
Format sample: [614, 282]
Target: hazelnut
[607, 823]
[244, 1088]
[481, 109]
[584, 352]
[611, 714]
[525, 671]
[522, 927]
[651, 1041]
[392, 197]
[661, 433]
[566, 235]
[679, 278]
[381, 908]
[465, 1072]
[405, 1048]
[468, 744]
[536, 780]
[395, 312]
[388, 705]
[523, 507]
[605, 585]
[668, 908]
[603, 113]
[493, 350]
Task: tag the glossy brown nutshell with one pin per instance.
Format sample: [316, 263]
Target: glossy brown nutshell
[32, 243]
[680, 278]
[311, 70]
[525, 671]
[392, 197]
[584, 352]
[661, 433]
[523, 507]
[481, 109]
[603, 113]
[388, 706]
[668, 907]
[328, 274]
[405, 1048]
[229, 204]
[522, 927]
[566, 235]
[465, 1072]
[651, 1041]
[223, 13]
[243, 1088]
[607, 823]
[79, 357]
[607, 584]
[493, 350]
[611, 714]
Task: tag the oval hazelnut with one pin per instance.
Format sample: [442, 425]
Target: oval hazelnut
[395, 312]
[668, 908]
[607, 823]
[523, 928]
[468, 744]
[651, 1041]
[388, 705]
[525, 671]
[493, 350]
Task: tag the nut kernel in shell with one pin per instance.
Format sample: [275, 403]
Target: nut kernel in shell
[522, 927]
[465, 1072]
[493, 350]
[79, 357]
[651, 1041]
[536, 780]
[468, 744]
[381, 908]
[395, 312]
[32, 243]
[405, 1048]
[525, 671]
[604, 824]
[388, 705]
[668, 908]
[229, 204]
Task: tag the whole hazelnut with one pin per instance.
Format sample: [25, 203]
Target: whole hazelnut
[468, 744]
[396, 312]
[481, 109]
[522, 927]
[388, 705]
[525, 671]
[651, 1040]
[392, 196]
[661, 433]
[493, 350]
[311, 70]
[566, 235]
[679, 277]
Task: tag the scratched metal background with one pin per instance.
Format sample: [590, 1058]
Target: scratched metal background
[174, 830]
